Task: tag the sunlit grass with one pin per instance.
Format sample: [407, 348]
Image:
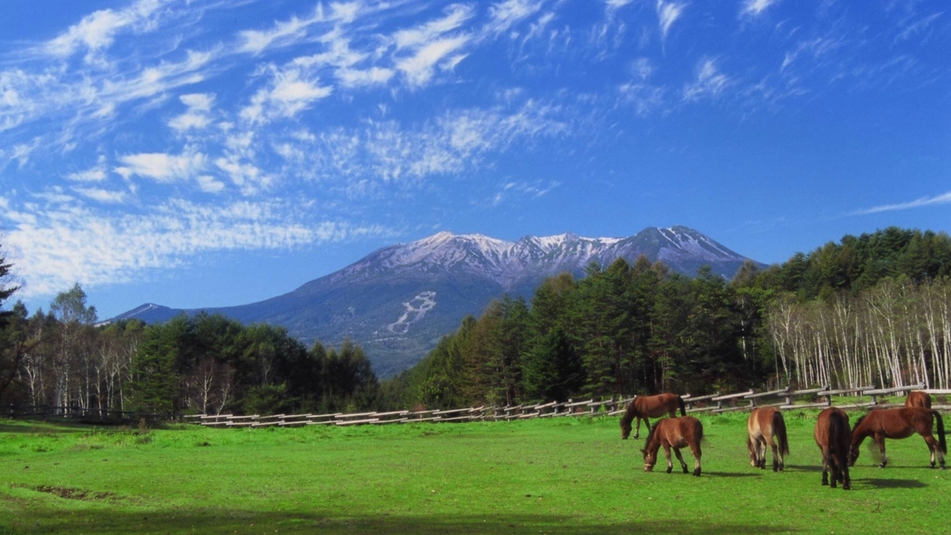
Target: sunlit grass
[564, 475]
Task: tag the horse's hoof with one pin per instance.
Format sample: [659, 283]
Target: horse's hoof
[846, 487]
[696, 472]
[670, 469]
[686, 471]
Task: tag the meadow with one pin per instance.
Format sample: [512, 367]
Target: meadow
[562, 475]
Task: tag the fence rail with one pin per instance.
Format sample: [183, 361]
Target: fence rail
[785, 399]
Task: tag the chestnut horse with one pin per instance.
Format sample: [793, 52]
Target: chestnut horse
[917, 398]
[767, 427]
[832, 436]
[674, 433]
[899, 423]
[644, 407]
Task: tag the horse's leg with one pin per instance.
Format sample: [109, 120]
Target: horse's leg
[695, 448]
[670, 465]
[825, 467]
[881, 448]
[761, 452]
[933, 446]
[637, 429]
[680, 458]
[772, 446]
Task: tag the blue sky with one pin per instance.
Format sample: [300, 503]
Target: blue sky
[218, 152]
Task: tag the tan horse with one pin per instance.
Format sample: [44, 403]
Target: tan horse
[899, 423]
[832, 436]
[644, 407]
[674, 433]
[767, 427]
[917, 398]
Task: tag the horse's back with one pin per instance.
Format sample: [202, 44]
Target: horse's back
[657, 405]
[917, 398]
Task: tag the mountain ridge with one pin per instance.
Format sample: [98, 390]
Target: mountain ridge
[398, 301]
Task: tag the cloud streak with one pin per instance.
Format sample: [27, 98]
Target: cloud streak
[917, 203]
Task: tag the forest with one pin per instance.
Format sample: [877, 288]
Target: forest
[872, 310]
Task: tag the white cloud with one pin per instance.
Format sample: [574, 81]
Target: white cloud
[69, 243]
[506, 14]
[667, 14]
[161, 167]
[97, 31]
[419, 68]
[754, 8]
[420, 36]
[709, 82]
[102, 195]
[198, 115]
[248, 177]
[918, 203]
[93, 174]
[287, 95]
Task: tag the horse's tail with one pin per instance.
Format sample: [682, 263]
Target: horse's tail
[942, 442]
[779, 431]
[838, 434]
[683, 408]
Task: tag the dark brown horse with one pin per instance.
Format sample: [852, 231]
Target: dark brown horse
[918, 398]
[899, 423]
[767, 427]
[674, 433]
[832, 435]
[644, 407]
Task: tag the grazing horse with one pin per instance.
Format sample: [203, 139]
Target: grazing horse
[644, 407]
[899, 423]
[917, 398]
[767, 427]
[674, 433]
[832, 436]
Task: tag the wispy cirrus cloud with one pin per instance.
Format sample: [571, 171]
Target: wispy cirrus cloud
[755, 8]
[162, 167]
[944, 198]
[667, 15]
[97, 31]
[69, 242]
[709, 82]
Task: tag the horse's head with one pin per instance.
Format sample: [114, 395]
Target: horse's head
[650, 459]
[625, 428]
[853, 454]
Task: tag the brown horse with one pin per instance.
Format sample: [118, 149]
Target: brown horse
[917, 398]
[674, 433]
[832, 436]
[767, 427]
[899, 423]
[644, 407]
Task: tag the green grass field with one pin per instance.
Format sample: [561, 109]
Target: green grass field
[565, 475]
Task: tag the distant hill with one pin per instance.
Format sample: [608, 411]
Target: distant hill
[400, 300]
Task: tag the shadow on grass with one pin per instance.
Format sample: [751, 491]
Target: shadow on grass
[41, 428]
[225, 521]
[734, 474]
[803, 468]
[874, 484]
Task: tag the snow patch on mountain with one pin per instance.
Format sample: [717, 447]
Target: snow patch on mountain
[415, 310]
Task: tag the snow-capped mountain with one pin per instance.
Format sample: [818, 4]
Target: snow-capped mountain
[400, 300]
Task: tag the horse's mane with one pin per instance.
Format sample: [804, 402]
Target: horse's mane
[859, 421]
[650, 435]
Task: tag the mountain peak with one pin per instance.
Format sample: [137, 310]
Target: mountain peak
[400, 300]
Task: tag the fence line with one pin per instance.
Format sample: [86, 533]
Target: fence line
[715, 403]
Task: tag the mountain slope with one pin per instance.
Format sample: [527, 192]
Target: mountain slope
[400, 300]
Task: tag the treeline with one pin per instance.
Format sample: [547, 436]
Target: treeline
[871, 310]
[201, 364]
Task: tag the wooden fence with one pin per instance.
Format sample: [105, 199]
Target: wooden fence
[785, 399]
